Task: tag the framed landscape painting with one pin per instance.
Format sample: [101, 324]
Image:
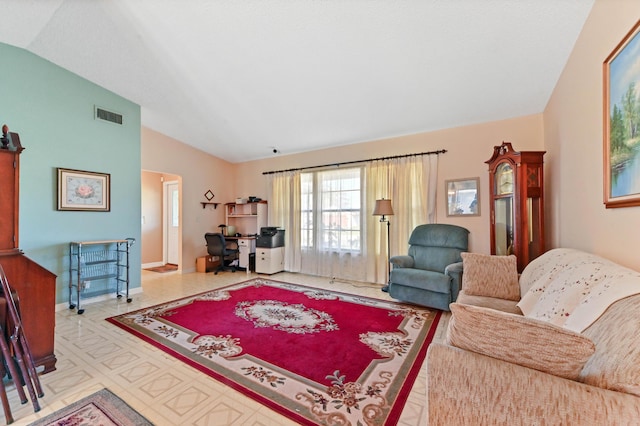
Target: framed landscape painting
[463, 197]
[621, 72]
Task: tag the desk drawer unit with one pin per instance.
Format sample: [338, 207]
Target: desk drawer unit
[246, 246]
[269, 260]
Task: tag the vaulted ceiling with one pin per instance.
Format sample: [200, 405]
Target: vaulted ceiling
[240, 78]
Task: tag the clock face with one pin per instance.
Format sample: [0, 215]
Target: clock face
[84, 191]
[504, 179]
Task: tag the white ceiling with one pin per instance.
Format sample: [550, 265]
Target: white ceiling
[238, 78]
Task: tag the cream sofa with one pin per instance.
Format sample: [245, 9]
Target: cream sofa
[573, 358]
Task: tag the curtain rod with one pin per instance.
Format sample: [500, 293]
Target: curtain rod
[441, 151]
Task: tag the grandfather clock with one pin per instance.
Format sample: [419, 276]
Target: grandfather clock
[516, 189]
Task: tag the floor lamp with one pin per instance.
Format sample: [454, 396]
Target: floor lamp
[383, 208]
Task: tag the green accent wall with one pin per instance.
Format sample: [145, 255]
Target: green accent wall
[52, 110]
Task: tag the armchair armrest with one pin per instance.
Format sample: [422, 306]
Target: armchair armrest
[403, 261]
[457, 393]
[454, 269]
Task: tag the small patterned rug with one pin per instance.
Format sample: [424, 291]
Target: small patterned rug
[169, 267]
[102, 408]
[316, 356]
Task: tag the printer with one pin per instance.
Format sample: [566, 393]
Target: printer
[270, 237]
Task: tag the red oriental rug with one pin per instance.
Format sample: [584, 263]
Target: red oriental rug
[315, 356]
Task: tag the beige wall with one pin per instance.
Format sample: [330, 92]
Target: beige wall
[467, 149]
[570, 130]
[198, 172]
[573, 123]
[151, 232]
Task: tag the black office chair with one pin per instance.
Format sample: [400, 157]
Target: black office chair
[217, 246]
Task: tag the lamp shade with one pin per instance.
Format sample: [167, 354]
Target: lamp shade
[383, 208]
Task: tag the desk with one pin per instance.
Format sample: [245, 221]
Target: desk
[246, 245]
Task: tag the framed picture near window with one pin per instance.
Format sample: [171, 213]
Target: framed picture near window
[463, 197]
[621, 113]
[80, 190]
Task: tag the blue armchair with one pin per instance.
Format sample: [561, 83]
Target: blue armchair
[431, 274]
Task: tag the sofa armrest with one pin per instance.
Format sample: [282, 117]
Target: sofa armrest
[464, 387]
[403, 261]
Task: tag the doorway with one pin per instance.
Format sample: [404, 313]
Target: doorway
[161, 237]
[171, 202]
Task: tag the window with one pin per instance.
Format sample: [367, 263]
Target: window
[331, 205]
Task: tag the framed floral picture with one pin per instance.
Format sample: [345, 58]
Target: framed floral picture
[80, 190]
[621, 75]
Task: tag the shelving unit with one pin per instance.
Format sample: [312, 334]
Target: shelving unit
[209, 203]
[247, 218]
[97, 261]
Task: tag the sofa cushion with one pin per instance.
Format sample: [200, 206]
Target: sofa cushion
[492, 276]
[519, 340]
[466, 388]
[418, 278]
[489, 302]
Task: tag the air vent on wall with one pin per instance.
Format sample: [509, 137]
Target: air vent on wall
[105, 115]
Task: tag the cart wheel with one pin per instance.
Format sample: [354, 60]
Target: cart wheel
[72, 306]
[119, 296]
[80, 311]
[129, 300]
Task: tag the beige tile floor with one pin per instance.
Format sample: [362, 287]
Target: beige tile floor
[93, 354]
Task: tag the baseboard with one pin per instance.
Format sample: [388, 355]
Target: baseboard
[107, 296]
[152, 265]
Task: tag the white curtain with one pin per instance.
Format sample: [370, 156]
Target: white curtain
[284, 212]
[411, 185]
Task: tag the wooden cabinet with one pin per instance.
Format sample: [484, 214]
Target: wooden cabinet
[10, 178]
[36, 288]
[247, 218]
[35, 285]
[516, 191]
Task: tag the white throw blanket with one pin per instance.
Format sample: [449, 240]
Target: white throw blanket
[572, 289]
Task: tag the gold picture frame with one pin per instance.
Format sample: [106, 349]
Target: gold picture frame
[621, 113]
[79, 190]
